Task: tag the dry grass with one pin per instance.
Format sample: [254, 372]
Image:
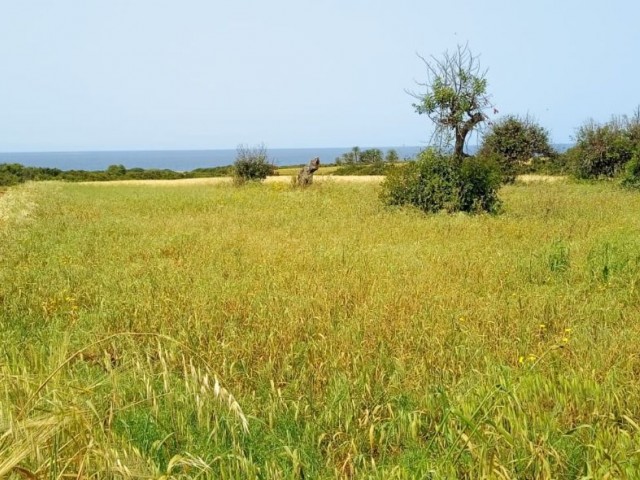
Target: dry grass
[531, 178]
[229, 180]
[357, 341]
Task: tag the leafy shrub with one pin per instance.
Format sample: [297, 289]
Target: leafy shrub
[603, 150]
[252, 164]
[430, 183]
[631, 178]
[116, 171]
[372, 155]
[11, 174]
[480, 179]
[435, 182]
[392, 156]
[515, 142]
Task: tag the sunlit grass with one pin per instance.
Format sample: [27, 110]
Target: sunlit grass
[324, 170]
[142, 326]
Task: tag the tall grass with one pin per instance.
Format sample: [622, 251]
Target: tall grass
[264, 332]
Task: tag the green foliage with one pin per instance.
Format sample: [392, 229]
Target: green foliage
[631, 178]
[116, 171]
[602, 150]
[149, 174]
[516, 142]
[14, 173]
[357, 156]
[11, 174]
[554, 165]
[224, 171]
[365, 162]
[252, 164]
[480, 179]
[372, 155]
[392, 156]
[430, 184]
[435, 182]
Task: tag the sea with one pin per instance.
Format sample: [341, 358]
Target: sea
[180, 160]
[187, 160]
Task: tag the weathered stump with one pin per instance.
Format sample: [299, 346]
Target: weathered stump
[305, 176]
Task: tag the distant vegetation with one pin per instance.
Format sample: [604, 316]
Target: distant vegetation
[604, 150]
[14, 173]
[369, 156]
[515, 143]
[370, 161]
[252, 164]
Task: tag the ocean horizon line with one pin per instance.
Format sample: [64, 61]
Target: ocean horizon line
[191, 159]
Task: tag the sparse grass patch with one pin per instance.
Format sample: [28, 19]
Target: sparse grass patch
[357, 341]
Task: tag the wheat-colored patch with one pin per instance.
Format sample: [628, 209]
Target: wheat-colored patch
[16, 204]
[532, 178]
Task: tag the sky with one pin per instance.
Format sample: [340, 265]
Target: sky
[210, 74]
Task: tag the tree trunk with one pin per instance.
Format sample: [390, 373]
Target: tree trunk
[305, 176]
[462, 132]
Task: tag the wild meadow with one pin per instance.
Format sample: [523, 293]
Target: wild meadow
[226, 332]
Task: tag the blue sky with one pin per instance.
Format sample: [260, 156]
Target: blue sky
[200, 74]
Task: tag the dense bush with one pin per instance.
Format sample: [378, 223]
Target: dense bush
[603, 150]
[252, 163]
[392, 156]
[10, 174]
[116, 171]
[430, 183]
[14, 173]
[480, 179]
[631, 178]
[515, 143]
[435, 182]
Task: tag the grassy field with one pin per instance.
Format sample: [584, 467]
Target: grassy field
[209, 331]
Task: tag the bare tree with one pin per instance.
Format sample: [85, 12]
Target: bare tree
[455, 98]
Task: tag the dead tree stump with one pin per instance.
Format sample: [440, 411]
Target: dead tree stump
[305, 176]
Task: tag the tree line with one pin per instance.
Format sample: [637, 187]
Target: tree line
[15, 173]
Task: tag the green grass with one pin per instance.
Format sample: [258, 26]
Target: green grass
[356, 341]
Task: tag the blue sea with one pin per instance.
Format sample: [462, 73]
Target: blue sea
[178, 160]
[186, 160]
